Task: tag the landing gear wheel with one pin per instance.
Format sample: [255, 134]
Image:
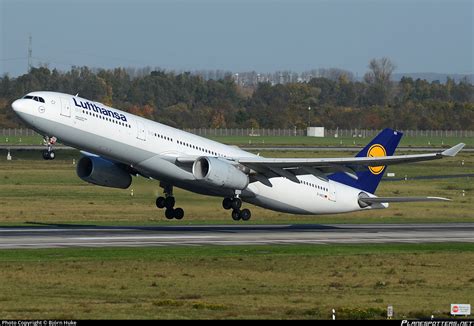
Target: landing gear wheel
[236, 215]
[245, 214]
[48, 155]
[160, 202]
[178, 213]
[169, 213]
[169, 202]
[227, 203]
[236, 203]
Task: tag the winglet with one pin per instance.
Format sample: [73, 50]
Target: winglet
[453, 151]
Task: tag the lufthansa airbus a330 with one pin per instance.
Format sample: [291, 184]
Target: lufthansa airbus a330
[116, 145]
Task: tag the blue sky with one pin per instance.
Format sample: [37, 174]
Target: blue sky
[260, 35]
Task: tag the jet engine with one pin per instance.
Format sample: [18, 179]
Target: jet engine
[102, 172]
[219, 173]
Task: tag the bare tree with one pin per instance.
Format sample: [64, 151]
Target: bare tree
[378, 78]
[380, 70]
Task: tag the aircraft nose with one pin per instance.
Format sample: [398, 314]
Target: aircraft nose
[16, 105]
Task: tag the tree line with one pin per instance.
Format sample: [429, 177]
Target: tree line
[187, 100]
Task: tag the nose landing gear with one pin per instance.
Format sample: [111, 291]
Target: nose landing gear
[48, 154]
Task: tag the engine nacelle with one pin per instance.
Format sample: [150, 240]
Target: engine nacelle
[102, 172]
[219, 173]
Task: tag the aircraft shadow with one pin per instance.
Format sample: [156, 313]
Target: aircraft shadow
[185, 228]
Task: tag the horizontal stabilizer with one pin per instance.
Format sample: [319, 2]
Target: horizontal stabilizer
[376, 200]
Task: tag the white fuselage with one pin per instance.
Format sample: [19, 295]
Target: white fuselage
[152, 148]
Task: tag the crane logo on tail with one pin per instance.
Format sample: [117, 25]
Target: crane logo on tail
[376, 150]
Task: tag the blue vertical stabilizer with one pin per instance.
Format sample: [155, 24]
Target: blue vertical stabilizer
[369, 177]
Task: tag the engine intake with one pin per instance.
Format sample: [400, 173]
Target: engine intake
[219, 173]
[102, 172]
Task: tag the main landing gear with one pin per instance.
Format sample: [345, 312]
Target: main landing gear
[235, 204]
[168, 202]
[48, 154]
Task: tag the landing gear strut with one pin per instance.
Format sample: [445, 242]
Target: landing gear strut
[48, 154]
[168, 202]
[235, 204]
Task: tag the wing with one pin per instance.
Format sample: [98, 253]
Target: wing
[264, 168]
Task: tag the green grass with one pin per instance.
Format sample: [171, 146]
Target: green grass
[251, 282]
[33, 190]
[21, 140]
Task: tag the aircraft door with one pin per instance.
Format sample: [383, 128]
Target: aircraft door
[331, 191]
[65, 107]
[141, 132]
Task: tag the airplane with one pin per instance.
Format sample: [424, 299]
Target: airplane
[116, 145]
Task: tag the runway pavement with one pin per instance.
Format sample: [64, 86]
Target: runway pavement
[57, 236]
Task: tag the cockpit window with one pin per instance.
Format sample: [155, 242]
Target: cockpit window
[35, 98]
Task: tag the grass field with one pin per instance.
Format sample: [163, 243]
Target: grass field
[33, 190]
[280, 282]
